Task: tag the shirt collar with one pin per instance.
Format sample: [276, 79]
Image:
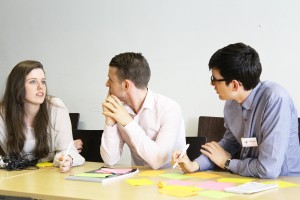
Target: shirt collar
[148, 103]
[247, 103]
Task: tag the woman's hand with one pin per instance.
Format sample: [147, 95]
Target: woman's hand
[65, 163]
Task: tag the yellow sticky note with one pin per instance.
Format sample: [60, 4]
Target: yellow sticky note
[282, 184]
[138, 182]
[44, 164]
[151, 173]
[235, 180]
[179, 191]
[204, 175]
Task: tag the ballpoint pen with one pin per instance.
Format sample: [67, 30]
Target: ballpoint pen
[67, 152]
[181, 155]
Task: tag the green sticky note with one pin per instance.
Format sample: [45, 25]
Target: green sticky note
[174, 176]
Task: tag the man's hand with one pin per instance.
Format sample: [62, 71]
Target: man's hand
[108, 120]
[215, 153]
[114, 111]
[184, 163]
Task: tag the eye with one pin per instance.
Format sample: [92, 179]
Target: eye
[44, 82]
[32, 82]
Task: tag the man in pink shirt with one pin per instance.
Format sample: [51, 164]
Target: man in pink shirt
[149, 123]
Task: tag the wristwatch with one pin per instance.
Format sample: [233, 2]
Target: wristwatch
[226, 165]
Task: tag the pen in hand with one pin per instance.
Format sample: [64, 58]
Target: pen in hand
[67, 152]
[181, 155]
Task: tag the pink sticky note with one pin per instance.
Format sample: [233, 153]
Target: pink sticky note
[213, 185]
[180, 182]
[115, 171]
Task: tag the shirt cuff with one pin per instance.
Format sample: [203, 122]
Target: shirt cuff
[233, 165]
[204, 163]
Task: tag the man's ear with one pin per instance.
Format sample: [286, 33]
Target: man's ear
[126, 84]
[236, 84]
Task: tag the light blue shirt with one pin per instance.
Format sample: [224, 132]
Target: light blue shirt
[269, 115]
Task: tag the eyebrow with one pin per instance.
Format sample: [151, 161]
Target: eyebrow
[35, 78]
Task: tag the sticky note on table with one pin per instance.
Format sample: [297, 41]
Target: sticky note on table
[139, 182]
[112, 170]
[174, 176]
[45, 164]
[179, 191]
[213, 185]
[282, 184]
[235, 180]
[204, 175]
[151, 173]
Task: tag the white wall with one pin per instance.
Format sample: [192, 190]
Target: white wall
[75, 41]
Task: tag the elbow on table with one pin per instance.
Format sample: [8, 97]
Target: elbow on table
[155, 166]
[270, 174]
[107, 159]
[159, 162]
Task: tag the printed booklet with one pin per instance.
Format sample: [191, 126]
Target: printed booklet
[104, 175]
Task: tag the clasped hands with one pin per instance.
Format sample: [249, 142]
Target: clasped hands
[115, 112]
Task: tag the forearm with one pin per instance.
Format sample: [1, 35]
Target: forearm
[204, 163]
[111, 145]
[157, 153]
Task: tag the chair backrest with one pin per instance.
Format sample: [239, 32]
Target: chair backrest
[193, 151]
[211, 127]
[74, 120]
[299, 128]
[91, 143]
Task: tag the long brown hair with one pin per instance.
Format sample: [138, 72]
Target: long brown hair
[12, 111]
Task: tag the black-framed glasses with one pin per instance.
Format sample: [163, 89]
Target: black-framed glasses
[213, 80]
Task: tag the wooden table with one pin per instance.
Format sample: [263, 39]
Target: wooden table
[49, 183]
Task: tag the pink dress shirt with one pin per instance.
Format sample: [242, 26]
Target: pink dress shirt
[155, 132]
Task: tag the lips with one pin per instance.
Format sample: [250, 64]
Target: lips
[40, 94]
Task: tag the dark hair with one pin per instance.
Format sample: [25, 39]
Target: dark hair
[237, 62]
[132, 66]
[12, 111]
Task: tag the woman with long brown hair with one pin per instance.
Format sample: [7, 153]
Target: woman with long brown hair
[33, 123]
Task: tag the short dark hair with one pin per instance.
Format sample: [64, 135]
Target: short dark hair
[238, 62]
[132, 66]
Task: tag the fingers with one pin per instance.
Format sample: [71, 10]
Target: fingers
[113, 100]
[175, 155]
[65, 163]
[64, 168]
[116, 99]
[78, 144]
[211, 147]
[112, 103]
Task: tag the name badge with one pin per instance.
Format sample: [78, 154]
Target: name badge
[249, 142]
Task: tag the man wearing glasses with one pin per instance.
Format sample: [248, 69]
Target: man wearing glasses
[260, 120]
